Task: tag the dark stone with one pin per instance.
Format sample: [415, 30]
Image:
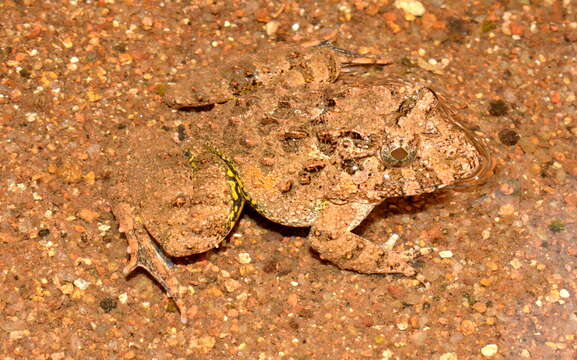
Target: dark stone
[43, 233]
[508, 137]
[498, 108]
[108, 304]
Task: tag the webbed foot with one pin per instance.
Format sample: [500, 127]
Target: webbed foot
[331, 236]
[145, 253]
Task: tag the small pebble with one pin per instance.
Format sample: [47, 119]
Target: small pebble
[391, 241]
[232, 285]
[509, 137]
[123, 298]
[271, 27]
[88, 215]
[506, 210]
[468, 327]
[480, 307]
[411, 7]
[446, 254]
[108, 304]
[67, 289]
[18, 334]
[448, 356]
[43, 233]
[81, 284]
[387, 355]
[506, 189]
[244, 258]
[57, 355]
[564, 293]
[293, 300]
[498, 108]
[489, 350]
[402, 325]
[147, 21]
[31, 117]
[525, 354]
[516, 264]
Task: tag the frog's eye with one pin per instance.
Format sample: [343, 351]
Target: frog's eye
[397, 155]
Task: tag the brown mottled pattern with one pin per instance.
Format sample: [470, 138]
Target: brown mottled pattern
[396, 115]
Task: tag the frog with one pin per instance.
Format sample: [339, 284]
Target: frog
[321, 157]
[288, 65]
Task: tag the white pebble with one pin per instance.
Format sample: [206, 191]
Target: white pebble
[446, 254]
[31, 117]
[516, 264]
[489, 350]
[103, 227]
[244, 258]
[564, 293]
[81, 284]
[391, 241]
[412, 7]
[123, 298]
[448, 356]
[271, 27]
[403, 325]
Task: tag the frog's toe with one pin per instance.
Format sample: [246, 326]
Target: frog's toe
[132, 262]
[146, 254]
[393, 264]
[397, 262]
[352, 252]
[374, 260]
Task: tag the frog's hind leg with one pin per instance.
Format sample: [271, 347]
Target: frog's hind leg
[145, 253]
[331, 236]
[192, 202]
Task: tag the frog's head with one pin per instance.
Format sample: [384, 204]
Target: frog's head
[406, 142]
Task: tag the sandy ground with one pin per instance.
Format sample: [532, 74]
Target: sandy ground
[501, 273]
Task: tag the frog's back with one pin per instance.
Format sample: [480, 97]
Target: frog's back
[294, 150]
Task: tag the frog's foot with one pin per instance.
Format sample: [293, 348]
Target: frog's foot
[349, 58]
[146, 254]
[331, 236]
[352, 252]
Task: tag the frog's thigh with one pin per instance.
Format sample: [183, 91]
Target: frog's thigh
[204, 210]
[331, 236]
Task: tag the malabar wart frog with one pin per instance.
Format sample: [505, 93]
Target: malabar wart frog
[322, 157]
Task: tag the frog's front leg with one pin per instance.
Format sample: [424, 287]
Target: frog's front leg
[146, 254]
[331, 236]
